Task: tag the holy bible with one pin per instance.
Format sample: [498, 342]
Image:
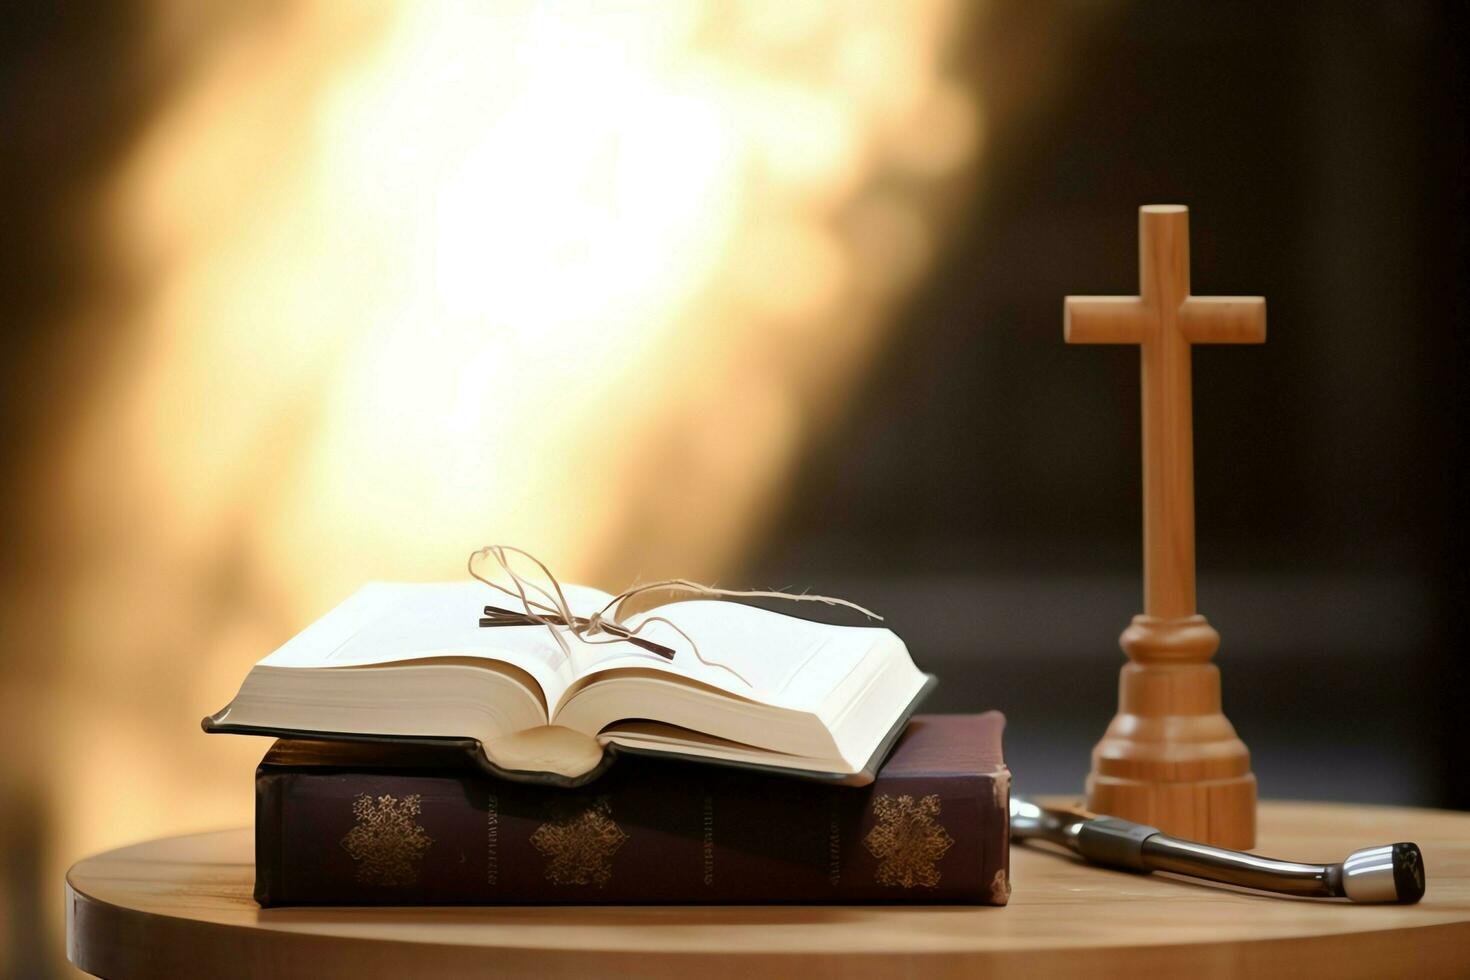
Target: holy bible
[362, 824]
[756, 688]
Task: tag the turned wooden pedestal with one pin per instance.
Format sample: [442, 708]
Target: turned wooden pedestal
[1170, 758]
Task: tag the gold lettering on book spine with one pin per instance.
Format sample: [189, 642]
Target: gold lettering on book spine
[907, 840]
[386, 842]
[834, 843]
[709, 840]
[580, 844]
[492, 840]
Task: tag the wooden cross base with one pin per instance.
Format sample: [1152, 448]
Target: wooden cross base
[1170, 758]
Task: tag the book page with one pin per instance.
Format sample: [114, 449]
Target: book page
[789, 662]
[391, 622]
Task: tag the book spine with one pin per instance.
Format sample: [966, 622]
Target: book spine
[268, 791]
[647, 835]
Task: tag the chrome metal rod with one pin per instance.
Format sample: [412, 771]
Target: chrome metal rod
[1389, 873]
[1164, 853]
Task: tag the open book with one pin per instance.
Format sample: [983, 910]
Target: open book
[411, 661]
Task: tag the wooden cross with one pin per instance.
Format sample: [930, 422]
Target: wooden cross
[1170, 758]
[1164, 320]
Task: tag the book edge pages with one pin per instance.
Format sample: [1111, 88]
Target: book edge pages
[867, 774]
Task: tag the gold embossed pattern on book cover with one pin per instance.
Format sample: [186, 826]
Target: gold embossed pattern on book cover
[386, 842]
[908, 841]
[580, 845]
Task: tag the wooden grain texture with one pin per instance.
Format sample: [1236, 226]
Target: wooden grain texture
[181, 907]
[1170, 757]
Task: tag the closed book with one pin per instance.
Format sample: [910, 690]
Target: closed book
[368, 824]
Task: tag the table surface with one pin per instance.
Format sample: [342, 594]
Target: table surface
[182, 906]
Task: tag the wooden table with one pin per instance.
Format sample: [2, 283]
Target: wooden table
[181, 907]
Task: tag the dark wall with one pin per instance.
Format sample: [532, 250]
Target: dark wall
[986, 491]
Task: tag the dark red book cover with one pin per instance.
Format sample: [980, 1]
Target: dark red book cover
[363, 824]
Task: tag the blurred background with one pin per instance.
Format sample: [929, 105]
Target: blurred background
[766, 294]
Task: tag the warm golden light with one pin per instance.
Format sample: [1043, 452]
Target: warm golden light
[408, 279]
[497, 245]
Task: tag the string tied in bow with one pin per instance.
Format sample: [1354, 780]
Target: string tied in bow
[547, 606]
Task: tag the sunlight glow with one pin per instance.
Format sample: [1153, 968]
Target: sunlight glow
[502, 272]
[410, 278]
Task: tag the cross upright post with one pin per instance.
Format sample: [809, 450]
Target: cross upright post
[1170, 757]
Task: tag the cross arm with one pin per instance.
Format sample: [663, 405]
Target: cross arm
[1223, 319]
[1103, 320]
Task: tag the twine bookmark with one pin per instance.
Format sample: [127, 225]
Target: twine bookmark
[552, 611]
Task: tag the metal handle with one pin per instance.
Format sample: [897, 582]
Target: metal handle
[1164, 853]
[1389, 873]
